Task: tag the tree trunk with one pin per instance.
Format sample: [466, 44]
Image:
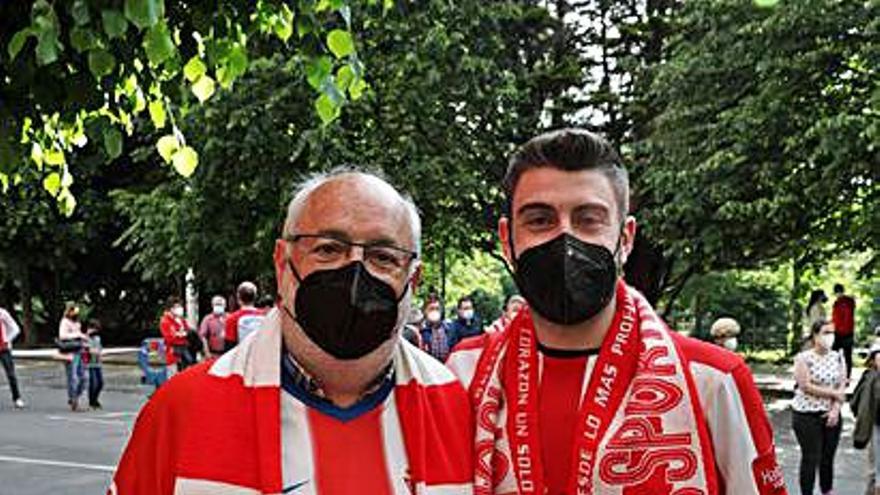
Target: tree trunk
[795, 311]
[27, 306]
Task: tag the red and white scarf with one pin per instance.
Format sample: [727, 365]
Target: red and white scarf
[640, 429]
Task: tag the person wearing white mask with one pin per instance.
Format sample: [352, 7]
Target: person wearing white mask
[820, 374]
[212, 330]
[724, 332]
[467, 324]
[437, 334]
[174, 327]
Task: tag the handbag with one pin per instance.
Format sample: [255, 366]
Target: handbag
[69, 346]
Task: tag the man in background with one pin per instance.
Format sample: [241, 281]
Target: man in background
[247, 318]
[843, 316]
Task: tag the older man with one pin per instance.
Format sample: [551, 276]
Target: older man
[326, 398]
[587, 391]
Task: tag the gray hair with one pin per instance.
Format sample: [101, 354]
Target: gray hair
[306, 187]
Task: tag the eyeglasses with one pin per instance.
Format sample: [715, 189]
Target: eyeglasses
[381, 259]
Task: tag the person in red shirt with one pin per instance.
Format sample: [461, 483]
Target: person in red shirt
[587, 390]
[326, 398]
[843, 317]
[247, 318]
[174, 327]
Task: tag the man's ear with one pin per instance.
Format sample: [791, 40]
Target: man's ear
[416, 278]
[279, 260]
[628, 238]
[504, 236]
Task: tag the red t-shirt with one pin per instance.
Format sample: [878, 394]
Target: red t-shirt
[169, 326]
[562, 382]
[242, 322]
[843, 315]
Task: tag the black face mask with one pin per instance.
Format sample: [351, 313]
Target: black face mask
[566, 280]
[346, 311]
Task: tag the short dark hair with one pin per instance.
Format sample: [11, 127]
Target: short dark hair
[172, 301]
[247, 292]
[462, 299]
[838, 288]
[571, 150]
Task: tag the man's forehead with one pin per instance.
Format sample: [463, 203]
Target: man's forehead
[364, 207]
[562, 188]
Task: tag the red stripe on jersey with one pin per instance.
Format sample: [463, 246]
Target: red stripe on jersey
[436, 415]
[559, 402]
[349, 455]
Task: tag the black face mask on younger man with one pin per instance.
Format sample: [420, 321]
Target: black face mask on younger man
[566, 280]
[346, 311]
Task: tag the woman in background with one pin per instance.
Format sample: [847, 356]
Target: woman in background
[820, 374]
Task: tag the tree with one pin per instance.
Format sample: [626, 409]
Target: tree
[75, 71]
[765, 149]
[452, 88]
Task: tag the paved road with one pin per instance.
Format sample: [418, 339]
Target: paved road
[47, 449]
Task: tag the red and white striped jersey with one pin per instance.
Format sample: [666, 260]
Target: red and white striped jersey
[228, 427]
[740, 433]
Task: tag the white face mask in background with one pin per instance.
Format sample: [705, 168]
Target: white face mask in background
[730, 343]
[219, 309]
[177, 311]
[826, 340]
[467, 314]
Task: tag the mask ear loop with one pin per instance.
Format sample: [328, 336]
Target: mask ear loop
[507, 266]
[618, 266]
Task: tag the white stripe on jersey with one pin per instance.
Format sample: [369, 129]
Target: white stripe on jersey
[728, 426]
[395, 450]
[297, 463]
[186, 486]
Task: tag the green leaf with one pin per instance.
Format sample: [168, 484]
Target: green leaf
[766, 3]
[357, 88]
[237, 60]
[194, 69]
[327, 109]
[17, 42]
[80, 12]
[114, 23]
[66, 202]
[113, 142]
[203, 88]
[167, 146]
[317, 69]
[37, 155]
[185, 161]
[52, 183]
[157, 113]
[283, 25]
[340, 43]
[82, 39]
[47, 46]
[101, 62]
[54, 157]
[158, 44]
[144, 13]
[344, 77]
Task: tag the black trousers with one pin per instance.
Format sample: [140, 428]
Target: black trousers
[845, 342]
[96, 384]
[818, 445]
[9, 367]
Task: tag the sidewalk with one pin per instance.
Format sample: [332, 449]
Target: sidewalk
[780, 383]
[110, 355]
